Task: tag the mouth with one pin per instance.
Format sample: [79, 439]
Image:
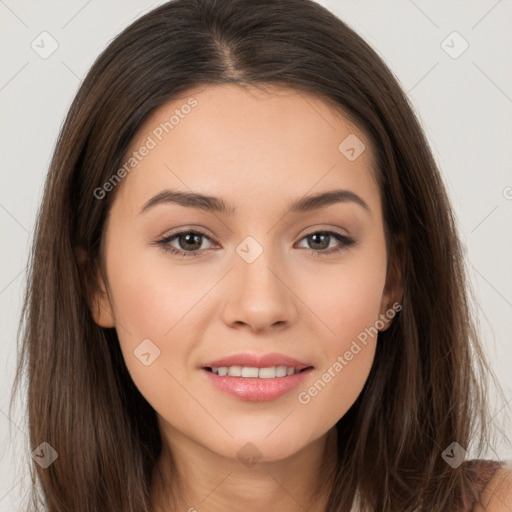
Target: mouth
[256, 377]
[270, 372]
[257, 383]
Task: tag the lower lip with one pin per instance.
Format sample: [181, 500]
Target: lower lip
[255, 389]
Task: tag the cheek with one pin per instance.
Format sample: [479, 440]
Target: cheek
[152, 295]
[348, 305]
[336, 386]
[153, 300]
[348, 296]
[347, 357]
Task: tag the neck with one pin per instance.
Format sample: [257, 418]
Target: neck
[202, 480]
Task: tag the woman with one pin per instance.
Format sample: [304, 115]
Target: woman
[247, 288]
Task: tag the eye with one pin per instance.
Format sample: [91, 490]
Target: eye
[190, 243]
[320, 242]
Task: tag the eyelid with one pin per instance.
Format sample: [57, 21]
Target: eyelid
[183, 230]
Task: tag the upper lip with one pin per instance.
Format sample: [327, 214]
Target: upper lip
[258, 361]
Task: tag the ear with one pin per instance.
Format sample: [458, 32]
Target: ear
[96, 290]
[393, 289]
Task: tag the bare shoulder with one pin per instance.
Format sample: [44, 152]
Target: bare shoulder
[497, 495]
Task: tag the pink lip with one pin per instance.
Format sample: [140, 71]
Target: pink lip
[258, 361]
[255, 389]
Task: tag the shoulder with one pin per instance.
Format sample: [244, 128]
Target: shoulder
[496, 496]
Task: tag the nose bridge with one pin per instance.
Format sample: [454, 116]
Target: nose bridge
[253, 265]
[259, 296]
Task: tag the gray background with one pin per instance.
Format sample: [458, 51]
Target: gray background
[464, 104]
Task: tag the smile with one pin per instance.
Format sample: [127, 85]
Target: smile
[265, 387]
[271, 372]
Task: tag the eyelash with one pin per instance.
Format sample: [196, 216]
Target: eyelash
[164, 243]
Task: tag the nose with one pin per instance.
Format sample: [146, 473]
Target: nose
[259, 296]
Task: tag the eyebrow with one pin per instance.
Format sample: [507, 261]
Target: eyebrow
[218, 205]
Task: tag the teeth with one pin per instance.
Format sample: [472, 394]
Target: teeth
[281, 371]
[234, 371]
[251, 371]
[269, 373]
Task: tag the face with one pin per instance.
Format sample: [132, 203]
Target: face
[298, 290]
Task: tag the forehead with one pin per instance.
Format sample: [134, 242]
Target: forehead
[242, 143]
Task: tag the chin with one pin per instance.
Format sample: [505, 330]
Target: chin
[261, 448]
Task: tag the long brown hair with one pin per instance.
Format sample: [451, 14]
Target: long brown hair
[426, 388]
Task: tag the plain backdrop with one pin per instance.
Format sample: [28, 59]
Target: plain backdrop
[452, 58]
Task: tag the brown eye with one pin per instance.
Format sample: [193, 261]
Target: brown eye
[321, 242]
[189, 243]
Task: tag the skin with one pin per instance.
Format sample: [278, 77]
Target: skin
[497, 495]
[258, 150]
